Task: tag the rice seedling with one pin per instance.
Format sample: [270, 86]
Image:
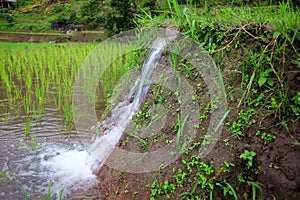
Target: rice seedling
[29, 77]
[35, 77]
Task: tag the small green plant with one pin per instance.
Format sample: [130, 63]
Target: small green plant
[126, 191]
[255, 186]
[243, 121]
[264, 78]
[3, 176]
[68, 7]
[142, 117]
[266, 137]
[227, 189]
[179, 127]
[249, 157]
[180, 177]
[161, 189]
[295, 107]
[48, 196]
[27, 126]
[272, 165]
[143, 143]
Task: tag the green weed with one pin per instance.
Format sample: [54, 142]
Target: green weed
[157, 189]
[227, 189]
[244, 120]
[248, 156]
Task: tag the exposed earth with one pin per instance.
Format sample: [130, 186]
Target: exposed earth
[275, 167]
[51, 37]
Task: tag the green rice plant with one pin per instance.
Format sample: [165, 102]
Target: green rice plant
[35, 77]
[5, 78]
[34, 74]
[27, 125]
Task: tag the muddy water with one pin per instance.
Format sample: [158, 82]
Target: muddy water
[27, 161]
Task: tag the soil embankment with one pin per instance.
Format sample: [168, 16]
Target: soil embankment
[50, 37]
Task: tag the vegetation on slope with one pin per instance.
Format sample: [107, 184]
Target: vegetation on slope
[256, 46]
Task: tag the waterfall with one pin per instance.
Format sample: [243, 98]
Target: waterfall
[64, 170]
[123, 112]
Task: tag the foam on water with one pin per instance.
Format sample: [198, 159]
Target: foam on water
[69, 169]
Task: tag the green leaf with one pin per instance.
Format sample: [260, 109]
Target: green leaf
[270, 81]
[261, 81]
[276, 34]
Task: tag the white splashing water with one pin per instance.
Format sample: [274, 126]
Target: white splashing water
[73, 169]
[69, 170]
[123, 112]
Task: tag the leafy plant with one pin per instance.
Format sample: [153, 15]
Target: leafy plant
[264, 78]
[266, 137]
[121, 17]
[249, 157]
[243, 121]
[161, 189]
[295, 107]
[180, 177]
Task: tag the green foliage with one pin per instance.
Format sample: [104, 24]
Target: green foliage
[68, 8]
[157, 189]
[266, 137]
[295, 106]
[227, 189]
[66, 15]
[121, 17]
[57, 9]
[9, 18]
[23, 3]
[91, 13]
[149, 7]
[249, 157]
[142, 117]
[255, 187]
[243, 121]
[264, 77]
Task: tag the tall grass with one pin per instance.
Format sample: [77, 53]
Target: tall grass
[32, 78]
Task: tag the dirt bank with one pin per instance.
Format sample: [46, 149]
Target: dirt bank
[44, 37]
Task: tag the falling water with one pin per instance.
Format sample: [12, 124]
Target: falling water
[66, 167]
[123, 112]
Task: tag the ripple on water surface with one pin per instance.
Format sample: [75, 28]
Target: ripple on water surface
[50, 157]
